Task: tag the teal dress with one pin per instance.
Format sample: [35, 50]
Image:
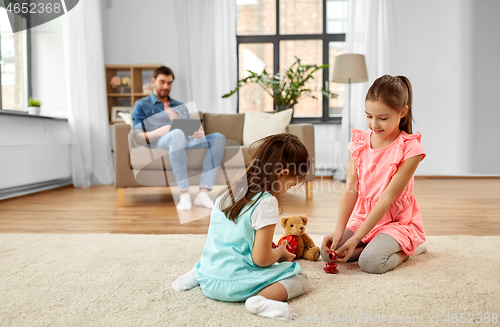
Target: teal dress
[226, 270]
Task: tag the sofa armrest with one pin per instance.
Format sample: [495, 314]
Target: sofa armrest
[305, 133]
[124, 176]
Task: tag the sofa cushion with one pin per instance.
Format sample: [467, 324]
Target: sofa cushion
[261, 124]
[127, 118]
[229, 125]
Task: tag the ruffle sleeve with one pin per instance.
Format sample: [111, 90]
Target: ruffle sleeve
[356, 145]
[408, 146]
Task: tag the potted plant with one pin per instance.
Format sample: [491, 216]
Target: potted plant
[33, 107]
[286, 88]
[122, 84]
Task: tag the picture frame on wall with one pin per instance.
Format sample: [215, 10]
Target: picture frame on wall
[115, 111]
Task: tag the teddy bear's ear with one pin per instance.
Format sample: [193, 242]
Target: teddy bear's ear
[283, 221]
[304, 219]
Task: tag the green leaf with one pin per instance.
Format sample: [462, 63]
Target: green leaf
[33, 103]
[285, 87]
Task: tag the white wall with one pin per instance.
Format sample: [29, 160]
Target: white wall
[449, 49]
[434, 42]
[33, 150]
[143, 33]
[484, 157]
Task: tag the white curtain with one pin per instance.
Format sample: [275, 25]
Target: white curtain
[207, 48]
[86, 94]
[370, 31]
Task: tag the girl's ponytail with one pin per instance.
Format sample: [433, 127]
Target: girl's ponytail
[395, 92]
[405, 123]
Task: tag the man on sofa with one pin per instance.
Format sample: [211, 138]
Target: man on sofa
[153, 116]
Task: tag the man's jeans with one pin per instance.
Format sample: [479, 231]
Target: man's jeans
[177, 143]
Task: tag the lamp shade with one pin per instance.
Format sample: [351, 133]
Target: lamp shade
[350, 66]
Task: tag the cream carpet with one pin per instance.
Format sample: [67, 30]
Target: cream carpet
[125, 280]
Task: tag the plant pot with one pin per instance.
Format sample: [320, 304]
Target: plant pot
[284, 107]
[34, 111]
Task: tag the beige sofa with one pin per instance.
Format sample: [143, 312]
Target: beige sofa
[140, 166]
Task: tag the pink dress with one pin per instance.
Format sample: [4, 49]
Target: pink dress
[375, 169]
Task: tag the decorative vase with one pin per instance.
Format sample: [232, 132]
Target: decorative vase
[125, 89]
[34, 111]
[284, 107]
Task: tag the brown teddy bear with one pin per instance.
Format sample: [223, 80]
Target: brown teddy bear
[298, 242]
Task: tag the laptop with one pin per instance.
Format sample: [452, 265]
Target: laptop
[188, 126]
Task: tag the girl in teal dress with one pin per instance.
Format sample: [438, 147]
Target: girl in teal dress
[238, 262]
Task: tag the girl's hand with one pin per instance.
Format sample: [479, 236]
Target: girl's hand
[285, 255]
[346, 251]
[330, 241]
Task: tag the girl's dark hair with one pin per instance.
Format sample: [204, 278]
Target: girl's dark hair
[395, 92]
[269, 155]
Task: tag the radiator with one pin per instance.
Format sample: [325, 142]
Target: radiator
[22, 165]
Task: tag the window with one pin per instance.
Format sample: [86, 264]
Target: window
[14, 59]
[271, 33]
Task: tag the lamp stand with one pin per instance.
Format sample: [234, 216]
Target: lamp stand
[349, 68]
[349, 115]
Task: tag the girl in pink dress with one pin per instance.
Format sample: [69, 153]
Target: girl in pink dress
[379, 221]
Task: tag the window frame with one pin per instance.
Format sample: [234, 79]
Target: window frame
[275, 40]
[28, 58]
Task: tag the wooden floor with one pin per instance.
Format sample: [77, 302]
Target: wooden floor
[449, 207]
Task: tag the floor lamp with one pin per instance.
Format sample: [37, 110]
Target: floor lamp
[349, 68]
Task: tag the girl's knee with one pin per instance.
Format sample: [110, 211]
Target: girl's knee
[303, 277]
[302, 285]
[377, 263]
[380, 255]
[295, 286]
[372, 263]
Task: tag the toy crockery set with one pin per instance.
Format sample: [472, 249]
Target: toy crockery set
[331, 267]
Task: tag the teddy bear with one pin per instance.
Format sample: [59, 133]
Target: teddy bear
[298, 242]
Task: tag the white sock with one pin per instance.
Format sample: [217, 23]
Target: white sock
[203, 200]
[184, 202]
[268, 308]
[420, 249]
[186, 281]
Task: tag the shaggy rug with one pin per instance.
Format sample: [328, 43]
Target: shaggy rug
[125, 280]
